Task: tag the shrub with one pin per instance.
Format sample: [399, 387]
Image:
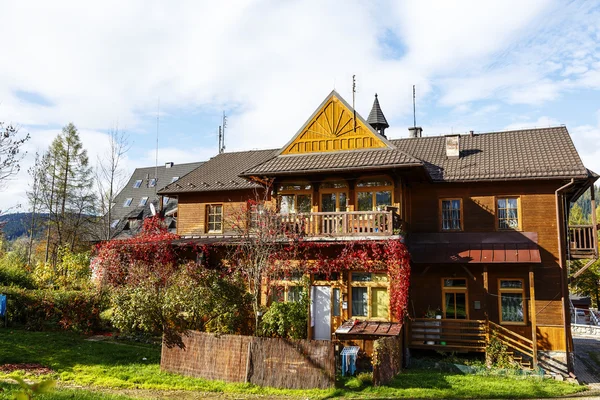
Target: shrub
[54, 309]
[287, 320]
[72, 271]
[13, 271]
[189, 297]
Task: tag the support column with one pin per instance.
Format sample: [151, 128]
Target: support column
[594, 222]
[532, 316]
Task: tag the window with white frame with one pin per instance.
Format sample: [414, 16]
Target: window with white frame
[137, 184]
[143, 201]
[127, 202]
[451, 214]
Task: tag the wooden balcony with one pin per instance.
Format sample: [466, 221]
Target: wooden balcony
[447, 334]
[343, 224]
[583, 241]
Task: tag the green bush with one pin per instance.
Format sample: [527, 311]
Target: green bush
[54, 309]
[189, 298]
[13, 271]
[287, 320]
[72, 271]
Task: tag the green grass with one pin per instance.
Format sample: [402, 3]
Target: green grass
[8, 390]
[136, 366]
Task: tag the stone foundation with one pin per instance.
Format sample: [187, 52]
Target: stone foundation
[587, 330]
[554, 362]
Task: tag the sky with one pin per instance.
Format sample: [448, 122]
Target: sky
[477, 65]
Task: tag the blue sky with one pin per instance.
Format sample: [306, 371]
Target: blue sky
[481, 66]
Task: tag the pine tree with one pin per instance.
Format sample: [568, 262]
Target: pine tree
[66, 191]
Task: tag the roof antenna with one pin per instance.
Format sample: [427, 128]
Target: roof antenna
[156, 162]
[220, 140]
[353, 99]
[414, 108]
[224, 126]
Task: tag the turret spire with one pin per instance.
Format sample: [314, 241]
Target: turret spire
[377, 119]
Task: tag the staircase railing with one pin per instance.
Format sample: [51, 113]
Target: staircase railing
[513, 340]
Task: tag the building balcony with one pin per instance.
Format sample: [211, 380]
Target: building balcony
[583, 242]
[350, 224]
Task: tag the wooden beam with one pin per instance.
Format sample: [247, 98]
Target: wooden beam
[485, 289]
[582, 270]
[532, 315]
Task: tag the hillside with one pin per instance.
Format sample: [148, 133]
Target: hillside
[17, 224]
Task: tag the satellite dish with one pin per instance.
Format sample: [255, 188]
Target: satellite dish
[152, 209]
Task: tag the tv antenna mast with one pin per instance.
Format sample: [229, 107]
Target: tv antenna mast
[354, 99]
[222, 134]
[414, 108]
[156, 161]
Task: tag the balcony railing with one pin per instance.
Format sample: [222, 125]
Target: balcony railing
[583, 241]
[338, 224]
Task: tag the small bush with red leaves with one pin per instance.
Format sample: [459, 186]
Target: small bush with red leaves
[54, 309]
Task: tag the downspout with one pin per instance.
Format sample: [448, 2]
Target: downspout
[563, 281]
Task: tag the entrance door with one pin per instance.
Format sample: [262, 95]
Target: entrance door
[322, 312]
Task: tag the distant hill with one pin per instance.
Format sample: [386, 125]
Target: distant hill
[17, 224]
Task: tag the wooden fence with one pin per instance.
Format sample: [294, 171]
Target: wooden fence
[387, 359]
[289, 364]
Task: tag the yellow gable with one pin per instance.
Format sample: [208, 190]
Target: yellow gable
[333, 127]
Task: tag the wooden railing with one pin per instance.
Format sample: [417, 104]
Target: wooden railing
[583, 241]
[448, 334]
[467, 336]
[513, 341]
[351, 223]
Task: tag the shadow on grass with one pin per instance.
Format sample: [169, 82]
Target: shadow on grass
[62, 351]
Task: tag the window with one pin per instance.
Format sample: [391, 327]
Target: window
[175, 178]
[137, 184]
[143, 201]
[508, 213]
[152, 182]
[336, 302]
[287, 288]
[454, 297]
[166, 200]
[451, 214]
[334, 196]
[295, 198]
[215, 217]
[127, 202]
[370, 295]
[114, 223]
[511, 300]
[373, 194]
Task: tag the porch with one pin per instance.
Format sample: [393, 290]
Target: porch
[453, 335]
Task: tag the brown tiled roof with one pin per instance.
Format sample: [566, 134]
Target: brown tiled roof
[220, 173]
[340, 160]
[522, 154]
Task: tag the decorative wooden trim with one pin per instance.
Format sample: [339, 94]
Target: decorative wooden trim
[512, 290]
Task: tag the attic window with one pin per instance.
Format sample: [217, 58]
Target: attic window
[143, 201]
[166, 200]
[152, 182]
[175, 178]
[137, 184]
[114, 224]
[127, 202]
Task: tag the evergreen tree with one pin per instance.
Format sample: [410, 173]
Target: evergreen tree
[66, 191]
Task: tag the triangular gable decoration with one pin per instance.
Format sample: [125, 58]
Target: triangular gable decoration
[334, 127]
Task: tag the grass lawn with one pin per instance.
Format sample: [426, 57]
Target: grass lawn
[116, 366]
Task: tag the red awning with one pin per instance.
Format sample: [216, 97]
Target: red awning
[494, 247]
[367, 330]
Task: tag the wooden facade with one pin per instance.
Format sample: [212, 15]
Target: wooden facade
[523, 300]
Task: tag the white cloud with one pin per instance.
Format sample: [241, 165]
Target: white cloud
[272, 62]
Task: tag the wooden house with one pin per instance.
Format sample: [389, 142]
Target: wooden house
[484, 217]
